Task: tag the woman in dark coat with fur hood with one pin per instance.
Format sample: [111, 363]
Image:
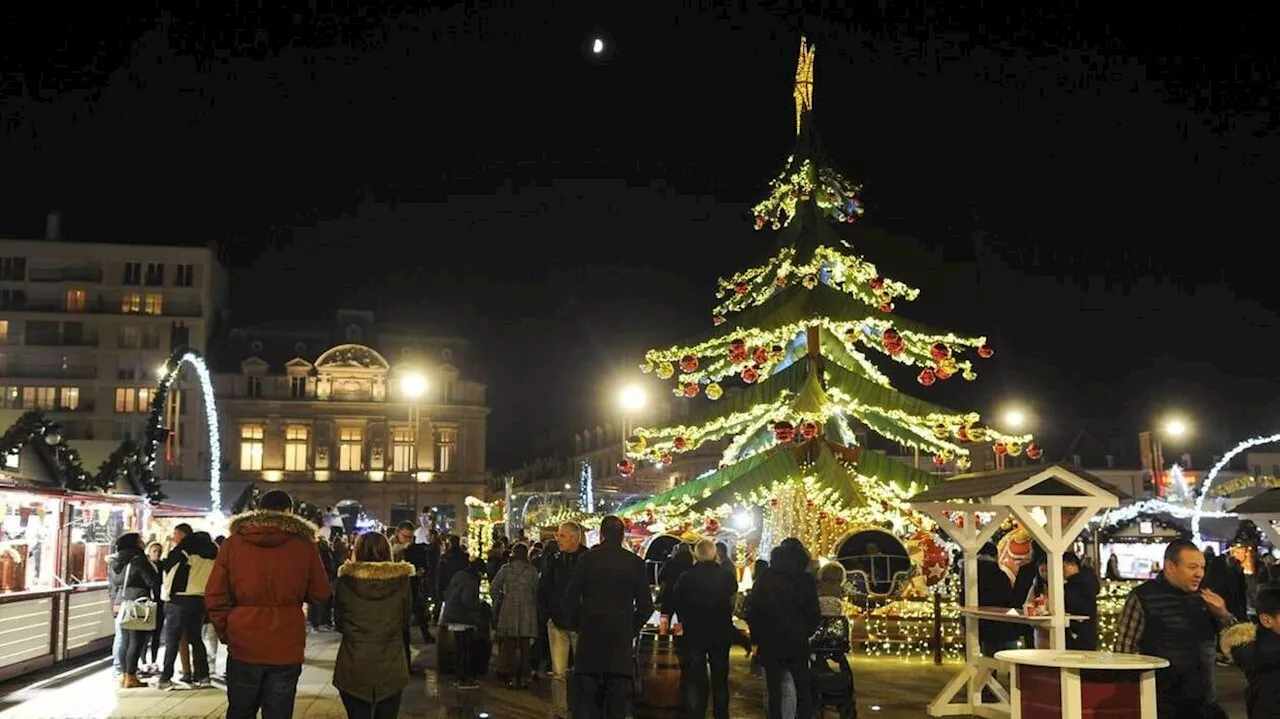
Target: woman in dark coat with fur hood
[372, 605]
[783, 613]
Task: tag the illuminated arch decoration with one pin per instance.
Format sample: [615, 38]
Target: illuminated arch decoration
[1213, 473]
[158, 433]
[355, 356]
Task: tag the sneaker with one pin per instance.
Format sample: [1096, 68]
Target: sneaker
[166, 685]
[202, 684]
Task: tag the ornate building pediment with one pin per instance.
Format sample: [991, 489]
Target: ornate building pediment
[349, 358]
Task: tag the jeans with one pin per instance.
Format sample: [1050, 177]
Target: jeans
[694, 685]
[788, 693]
[357, 708]
[135, 642]
[184, 619]
[601, 696]
[117, 651]
[774, 674]
[462, 660]
[269, 687]
[560, 642]
[211, 642]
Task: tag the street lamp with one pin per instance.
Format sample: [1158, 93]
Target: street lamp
[632, 398]
[1015, 418]
[413, 385]
[1176, 427]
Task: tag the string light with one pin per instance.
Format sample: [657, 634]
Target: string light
[168, 375]
[1213, 473]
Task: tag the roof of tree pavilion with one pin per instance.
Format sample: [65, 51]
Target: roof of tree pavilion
[1264, 510]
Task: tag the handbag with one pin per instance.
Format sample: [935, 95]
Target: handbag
[136, 614]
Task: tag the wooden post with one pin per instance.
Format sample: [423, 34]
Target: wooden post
[937, 629]
[813, 340]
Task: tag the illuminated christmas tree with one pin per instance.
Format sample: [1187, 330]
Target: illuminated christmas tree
[798, 333]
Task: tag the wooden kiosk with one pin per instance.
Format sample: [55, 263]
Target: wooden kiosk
[1054, 503]
[1264, 510]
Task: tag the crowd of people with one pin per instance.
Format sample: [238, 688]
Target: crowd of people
[574, 613]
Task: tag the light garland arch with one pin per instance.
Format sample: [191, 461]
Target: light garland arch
[157, 433]
[1213, 473]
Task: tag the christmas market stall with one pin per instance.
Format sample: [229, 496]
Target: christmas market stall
[58, 524]
[1264, 511]
[190, 503]
[1054, 503]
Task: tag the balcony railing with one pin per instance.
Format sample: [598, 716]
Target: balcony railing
[53, 371]
[170, 309]
[65, 274]
[63, 341]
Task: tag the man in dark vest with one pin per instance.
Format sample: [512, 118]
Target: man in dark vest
[1172, 617]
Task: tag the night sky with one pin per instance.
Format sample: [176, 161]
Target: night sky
[1091, 187]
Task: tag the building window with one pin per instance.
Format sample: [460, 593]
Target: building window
[4, 331]
[12, 460]
[13, 268]
[253, 386]
[133, 399]
[70, 398]
[350, 449]
[155, 274]
[131, 303]
[402, 449]
[39, 397]
[184, 276]
[130, 338]
[10, 398]
[295, 448]
[298, 387]
[132, 273]
[75, 300]
[354, 333]
[151, 338]
[153, 303]
[446, 449]
[251, 446]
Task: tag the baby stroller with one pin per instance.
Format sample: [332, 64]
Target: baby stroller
[829, 672]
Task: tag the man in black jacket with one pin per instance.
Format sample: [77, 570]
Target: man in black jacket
[609, 601]
[562, 635]
[1080, 595]
[703, 600]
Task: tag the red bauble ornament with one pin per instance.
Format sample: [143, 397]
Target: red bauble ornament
[781, 282]
[999, 449]
[886, 307]
[927, 377]
[773, 502]
[942, 373]
[691, 389]
[760, 355]
[877, 283]
[626, 467]
[666, 458]
[809, 430]
[962, 434]
[718, 319]
[1033, 452]
[712, 526]
[891, 335]
[839, 521]
[938, 461]
[810, 503]
[738, 351]
[784, 431]
[939, 352]
[679, 443]
[935, 563]
[689, 363]
[750, 375]
[985, 351]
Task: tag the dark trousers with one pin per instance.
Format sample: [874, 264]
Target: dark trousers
[152, 653]
[135, 642]
[774, 672]
[601, 696]
[357, 708]
[267, 687]
[694, 684]
[516, 650]
[420, 617]
[320, 613]
[462, 661]
[184, 616]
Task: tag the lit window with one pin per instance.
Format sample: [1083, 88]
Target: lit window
[402, 449]
[70, 398]
[446, 449]
[295, 448]
[131, 303]
[39, 397]
[75, 300]
[133, 399]
[154, 303]
[251, 447]
[4, 331]
[10, 398]
[350, 449]
[12, 460]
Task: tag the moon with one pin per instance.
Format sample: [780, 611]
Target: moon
[597, 46]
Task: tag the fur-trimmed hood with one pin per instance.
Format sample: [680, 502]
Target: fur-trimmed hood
[266, 528]
[375, 570]
[1254, 649]
[1238, 636]
[375, 581]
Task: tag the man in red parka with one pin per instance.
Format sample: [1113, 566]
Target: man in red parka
[266, 569]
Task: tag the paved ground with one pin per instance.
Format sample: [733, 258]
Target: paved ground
[887, 689]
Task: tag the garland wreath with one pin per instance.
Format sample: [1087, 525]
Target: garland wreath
[126, 464]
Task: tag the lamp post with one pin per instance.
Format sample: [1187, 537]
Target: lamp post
[631, 400]
[1015, 419]
[413, 386]
[1174, 428]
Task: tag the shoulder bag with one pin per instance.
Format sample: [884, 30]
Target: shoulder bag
[136, 614]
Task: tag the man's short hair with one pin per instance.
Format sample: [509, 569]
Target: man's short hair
[276, 500]
[1070, 558]
[184, 528]
[1268, 601]
[406, 525]
[1173, 552]
[573, 528]
[611, 529]
[705, 550]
